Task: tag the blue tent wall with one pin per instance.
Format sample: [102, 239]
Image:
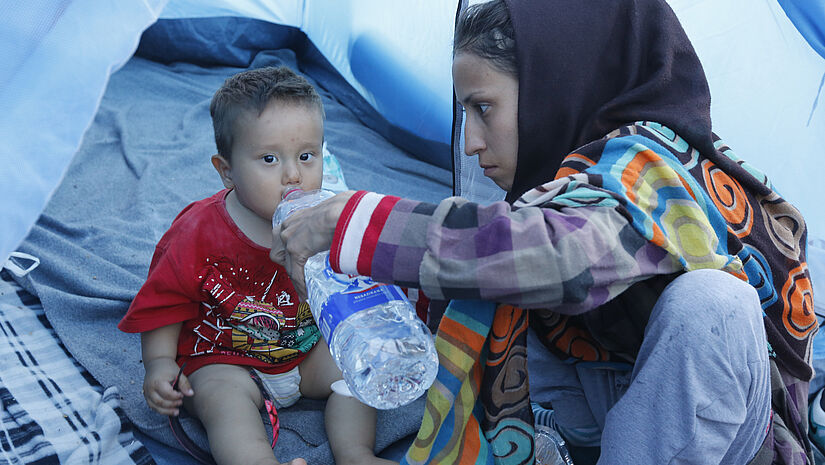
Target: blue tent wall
[55, 60]
[764, 66]
[809, 18]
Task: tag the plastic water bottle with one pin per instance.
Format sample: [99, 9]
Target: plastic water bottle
[385, 352]
[550, 447]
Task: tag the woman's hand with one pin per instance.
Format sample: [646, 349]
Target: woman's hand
[304, 234]
[157, 386]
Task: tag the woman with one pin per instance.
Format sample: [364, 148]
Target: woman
[651, 258]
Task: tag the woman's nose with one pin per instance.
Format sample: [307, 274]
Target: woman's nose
[473, 142]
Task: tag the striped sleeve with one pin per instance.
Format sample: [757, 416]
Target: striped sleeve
[623, 209]
[356, 235]
[571, 259]
[382, 236]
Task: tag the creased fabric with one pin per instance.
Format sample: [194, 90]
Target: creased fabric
[52, 409]
[636, 206]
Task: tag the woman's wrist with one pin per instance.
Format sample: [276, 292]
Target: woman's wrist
[358, 231]
[336, 208]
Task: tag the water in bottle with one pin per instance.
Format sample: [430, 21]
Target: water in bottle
[550, 447]
[385, 352]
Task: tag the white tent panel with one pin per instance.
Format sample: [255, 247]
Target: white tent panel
[288, 12]
[56, 60]
[767, 94]
[396, 54]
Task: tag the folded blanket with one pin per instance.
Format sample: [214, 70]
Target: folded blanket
[52, 410]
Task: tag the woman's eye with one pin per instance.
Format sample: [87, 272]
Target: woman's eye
[306, 156]
[270, 158]
[482, 108]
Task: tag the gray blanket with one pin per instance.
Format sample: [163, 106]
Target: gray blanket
[143, 159]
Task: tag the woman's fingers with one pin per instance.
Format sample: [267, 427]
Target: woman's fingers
[280, 255]
[298, 247]
[306, 233]
[296, 274]
[277, 253]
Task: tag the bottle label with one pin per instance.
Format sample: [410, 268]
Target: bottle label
[361, 293]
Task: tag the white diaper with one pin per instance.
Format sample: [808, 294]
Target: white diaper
[283, 388]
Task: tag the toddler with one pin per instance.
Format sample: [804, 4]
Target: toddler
[216, 307]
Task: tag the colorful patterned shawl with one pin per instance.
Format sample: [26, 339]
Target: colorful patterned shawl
[697, 217]
[477, 409]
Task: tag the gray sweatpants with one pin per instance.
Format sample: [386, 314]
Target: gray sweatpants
[699, 392]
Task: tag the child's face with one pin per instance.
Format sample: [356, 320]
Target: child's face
[276, 151]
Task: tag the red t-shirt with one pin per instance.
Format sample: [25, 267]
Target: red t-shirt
[204, 237]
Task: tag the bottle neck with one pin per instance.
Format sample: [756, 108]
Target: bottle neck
[291, 193]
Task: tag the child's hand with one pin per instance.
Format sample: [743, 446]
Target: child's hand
[157, 386]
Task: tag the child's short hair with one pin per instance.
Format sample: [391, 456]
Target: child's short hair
[253, 90]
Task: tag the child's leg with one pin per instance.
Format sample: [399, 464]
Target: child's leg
[227, 401]
[350, 428]
[350, 424]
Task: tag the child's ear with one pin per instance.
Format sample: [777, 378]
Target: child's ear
[224, 169]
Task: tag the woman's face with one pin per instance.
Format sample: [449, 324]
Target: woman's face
[490, 100]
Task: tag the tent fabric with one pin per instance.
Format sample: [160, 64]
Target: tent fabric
[143, 159]
[385, 70]
[51, 81]
[284, 12]
[809, 18]
[765, 78]
[361, 39]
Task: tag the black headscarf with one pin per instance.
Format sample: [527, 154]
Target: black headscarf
[586, 68]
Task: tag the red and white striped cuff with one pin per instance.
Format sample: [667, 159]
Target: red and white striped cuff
[358, 231]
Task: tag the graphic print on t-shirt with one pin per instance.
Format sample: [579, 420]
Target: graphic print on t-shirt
[216, 334]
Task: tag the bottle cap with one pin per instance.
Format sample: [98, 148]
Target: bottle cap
[341, 388]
